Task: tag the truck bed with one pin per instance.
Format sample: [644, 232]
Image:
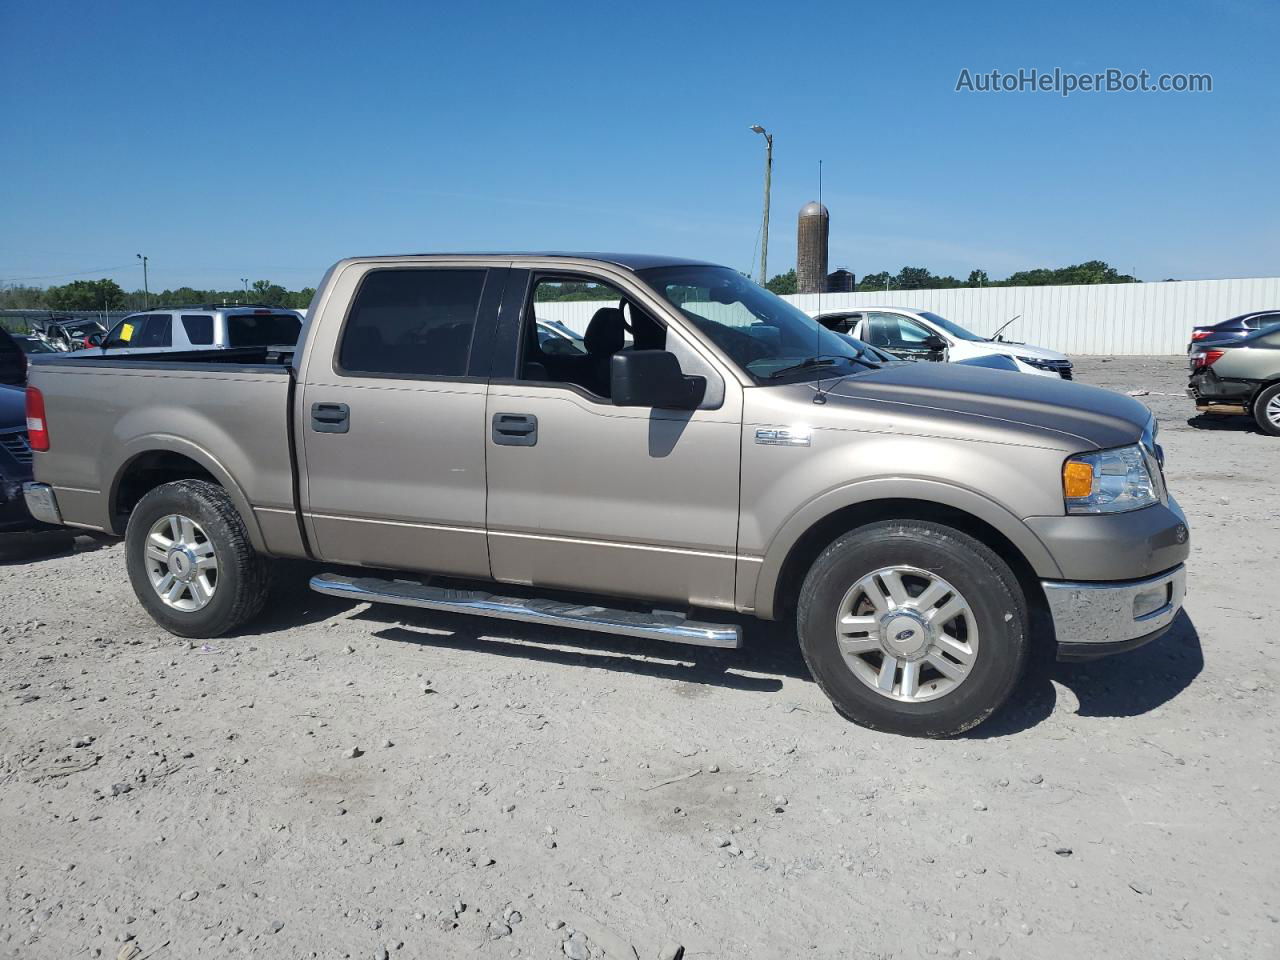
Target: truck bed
[228, 411]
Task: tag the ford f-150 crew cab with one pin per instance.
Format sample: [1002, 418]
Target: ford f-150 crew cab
[711, 451]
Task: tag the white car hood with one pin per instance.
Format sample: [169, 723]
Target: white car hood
[1016, 350]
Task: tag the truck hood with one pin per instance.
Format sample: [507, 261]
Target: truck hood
[975, 403]
[1016, 350]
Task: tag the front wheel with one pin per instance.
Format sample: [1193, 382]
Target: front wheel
[1266, 410]
[913, 628]
[190, 560]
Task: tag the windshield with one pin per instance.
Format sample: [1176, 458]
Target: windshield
[954, 329]
[766, 336]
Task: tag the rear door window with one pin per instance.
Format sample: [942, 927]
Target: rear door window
[154, 330]
[412, 322]
[199, 328]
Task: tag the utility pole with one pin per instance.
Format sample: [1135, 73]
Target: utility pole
[245, 281]
[768, 176]
[146, 293]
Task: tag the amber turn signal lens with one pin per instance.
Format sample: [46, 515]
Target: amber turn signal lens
[1077, 479]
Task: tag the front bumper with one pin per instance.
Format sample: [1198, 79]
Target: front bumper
[1096, 619]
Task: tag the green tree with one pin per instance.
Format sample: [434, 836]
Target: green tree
[271, 294]
[978, 278]
[783, 283]
[1091, 271]
[875, 281]
[86, 295]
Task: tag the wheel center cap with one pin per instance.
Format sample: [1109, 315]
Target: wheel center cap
[904, 635]
[181, 563]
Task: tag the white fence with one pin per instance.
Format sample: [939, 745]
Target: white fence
[1104, 318]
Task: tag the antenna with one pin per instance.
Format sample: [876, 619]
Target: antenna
[822, 282]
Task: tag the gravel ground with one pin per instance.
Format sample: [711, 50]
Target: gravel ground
[374, 782]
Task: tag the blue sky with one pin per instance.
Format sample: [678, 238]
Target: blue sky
[262, 140]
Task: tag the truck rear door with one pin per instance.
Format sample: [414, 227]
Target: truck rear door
[391, 416]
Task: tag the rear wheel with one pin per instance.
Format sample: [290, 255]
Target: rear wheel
[913, 627]
[1266, 410]
[190, 560]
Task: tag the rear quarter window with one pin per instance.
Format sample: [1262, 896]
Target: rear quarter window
[263, 329]
[199, 329]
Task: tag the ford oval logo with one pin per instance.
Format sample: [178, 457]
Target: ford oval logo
[905, 635]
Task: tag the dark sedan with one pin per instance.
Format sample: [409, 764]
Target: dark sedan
[15, 462]
[1235, 328]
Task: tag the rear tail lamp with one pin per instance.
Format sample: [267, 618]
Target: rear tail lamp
[1208, 358]
[37, 428]
[1199, 334]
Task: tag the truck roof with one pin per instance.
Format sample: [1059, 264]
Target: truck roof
[632, 261]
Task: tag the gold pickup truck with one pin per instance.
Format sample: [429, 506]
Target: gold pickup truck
[704, 451]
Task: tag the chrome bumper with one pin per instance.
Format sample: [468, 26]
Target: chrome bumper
[1095, 619]
[42, 503]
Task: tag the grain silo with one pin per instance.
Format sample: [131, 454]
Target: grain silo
[811, 248]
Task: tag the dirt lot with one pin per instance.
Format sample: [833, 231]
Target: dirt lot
[202, 800]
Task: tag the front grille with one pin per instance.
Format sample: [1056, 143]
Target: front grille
[16, 445]
[1065, 373]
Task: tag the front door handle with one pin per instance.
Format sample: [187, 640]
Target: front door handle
[330, 417]
[515, 429]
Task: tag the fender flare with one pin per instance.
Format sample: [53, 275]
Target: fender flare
[965, 500]
[165, 443]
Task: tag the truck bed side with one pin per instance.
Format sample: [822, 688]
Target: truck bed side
[119, 427]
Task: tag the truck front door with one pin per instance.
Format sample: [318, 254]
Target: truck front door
[586, 495]
[391, 417]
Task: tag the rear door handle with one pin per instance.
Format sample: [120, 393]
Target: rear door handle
[330, 417]
[515, 429]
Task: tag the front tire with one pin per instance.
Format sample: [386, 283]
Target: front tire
[913, 628]
[1266, 410]
[190, 560]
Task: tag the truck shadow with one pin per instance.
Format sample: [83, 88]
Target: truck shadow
[1125, 685]
[20, 548]
[756, 667]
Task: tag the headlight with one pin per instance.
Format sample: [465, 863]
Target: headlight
[1109, 481]
[1057, 366]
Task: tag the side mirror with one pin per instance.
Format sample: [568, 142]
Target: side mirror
[935, 343]
[652, 378]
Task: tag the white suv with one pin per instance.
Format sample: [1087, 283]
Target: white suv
[921, 335]
[171, 329]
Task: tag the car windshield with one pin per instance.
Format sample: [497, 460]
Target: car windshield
[954, 329]
[766, 336]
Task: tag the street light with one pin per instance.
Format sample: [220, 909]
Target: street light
[245, 281]
[146, 294]
[768, 174]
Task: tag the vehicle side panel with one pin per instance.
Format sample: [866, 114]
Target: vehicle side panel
[877, 453]
[230, 421]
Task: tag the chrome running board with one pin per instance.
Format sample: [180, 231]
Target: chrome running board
[658, 625]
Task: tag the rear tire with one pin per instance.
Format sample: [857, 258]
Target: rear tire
[190, 560]
[945, 605]
[1266, 410]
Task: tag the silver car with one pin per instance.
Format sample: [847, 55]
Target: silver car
[179, 329]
